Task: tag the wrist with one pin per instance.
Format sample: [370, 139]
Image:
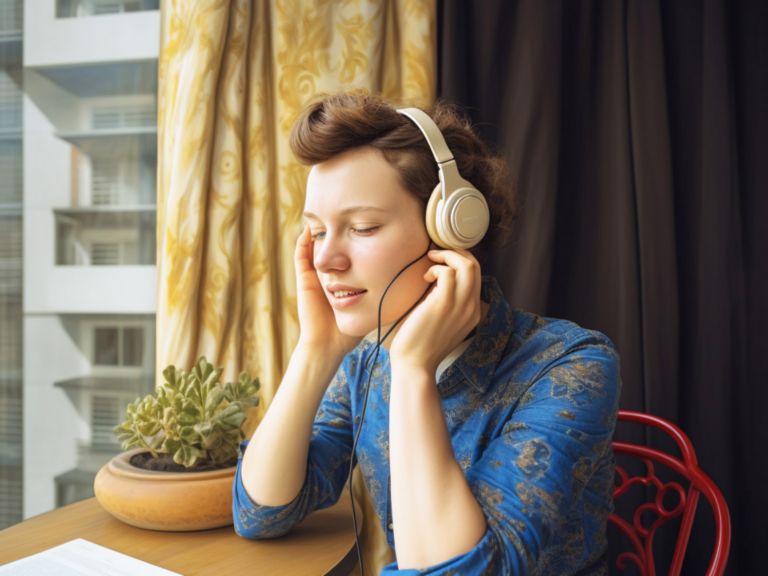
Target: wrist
[319, 352]
[315, 362]
[406, 370]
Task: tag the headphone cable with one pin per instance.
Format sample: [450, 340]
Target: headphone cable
[374, 355]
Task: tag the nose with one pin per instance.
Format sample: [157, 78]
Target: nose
[330, 254]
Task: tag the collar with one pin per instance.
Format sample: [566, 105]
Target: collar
[479, 361]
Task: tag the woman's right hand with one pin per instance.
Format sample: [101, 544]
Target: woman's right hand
[317, 323]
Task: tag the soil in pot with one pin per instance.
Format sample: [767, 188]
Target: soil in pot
[165, 463]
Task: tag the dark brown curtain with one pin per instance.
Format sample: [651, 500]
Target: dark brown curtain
[638, 135]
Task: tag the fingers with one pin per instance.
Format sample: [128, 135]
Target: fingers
[460, 260]
[465, 271]
[444, 282]
[303, 252]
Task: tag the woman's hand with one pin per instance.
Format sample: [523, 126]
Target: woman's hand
[448, 313]
[317, 324]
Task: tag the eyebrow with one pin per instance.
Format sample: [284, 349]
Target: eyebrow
[349, 210]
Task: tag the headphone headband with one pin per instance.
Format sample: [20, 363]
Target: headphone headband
[431, 132]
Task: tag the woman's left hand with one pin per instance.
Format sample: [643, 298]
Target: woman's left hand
[448, 313]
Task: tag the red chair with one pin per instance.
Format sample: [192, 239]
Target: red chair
[638, 531]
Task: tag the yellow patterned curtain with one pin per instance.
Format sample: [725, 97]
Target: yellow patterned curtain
[233, 76]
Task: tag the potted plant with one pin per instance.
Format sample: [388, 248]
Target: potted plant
[184, 441]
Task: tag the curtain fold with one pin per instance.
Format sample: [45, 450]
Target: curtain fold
[233, 76]
[636, 131]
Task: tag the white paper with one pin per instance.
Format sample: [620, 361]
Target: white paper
[81, 558]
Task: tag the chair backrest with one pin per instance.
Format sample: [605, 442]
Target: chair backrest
[639, 529]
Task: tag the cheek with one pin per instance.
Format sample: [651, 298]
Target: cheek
[379, 258]
[384, 261]
[410, 282]
[411, 242]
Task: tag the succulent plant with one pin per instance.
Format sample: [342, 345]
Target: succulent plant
[191, 416]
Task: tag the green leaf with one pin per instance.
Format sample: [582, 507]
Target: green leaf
[188, 435]
[156, 442]
[187, 456]
[204, 428]
[149, 428]
[213, 399]
[170, 445]
[212, 440]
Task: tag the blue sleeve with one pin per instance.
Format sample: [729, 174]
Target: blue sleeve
[531, 477]
[327, 468]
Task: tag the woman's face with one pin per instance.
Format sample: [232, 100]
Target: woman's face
[366, 227]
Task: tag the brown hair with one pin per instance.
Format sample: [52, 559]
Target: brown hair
[341, 122]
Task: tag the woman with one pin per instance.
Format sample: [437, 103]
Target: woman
[486, 444]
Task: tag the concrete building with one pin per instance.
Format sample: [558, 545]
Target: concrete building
[77, 166]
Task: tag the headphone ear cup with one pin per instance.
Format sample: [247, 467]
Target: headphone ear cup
[463, 219]
[432, 217]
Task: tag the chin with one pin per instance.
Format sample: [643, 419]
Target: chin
[357, 331]
[354, 327]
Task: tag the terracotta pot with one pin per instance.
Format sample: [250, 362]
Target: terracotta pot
[172, 501]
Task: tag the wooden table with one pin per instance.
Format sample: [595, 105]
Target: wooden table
[323, 544]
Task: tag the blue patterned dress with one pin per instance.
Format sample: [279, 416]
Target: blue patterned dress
[530, 406]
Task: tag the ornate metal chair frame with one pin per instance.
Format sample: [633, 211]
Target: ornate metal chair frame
[640, 535]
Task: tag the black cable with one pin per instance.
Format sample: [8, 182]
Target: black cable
[374, 355]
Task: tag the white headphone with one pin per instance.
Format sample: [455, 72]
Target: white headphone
[457, 213]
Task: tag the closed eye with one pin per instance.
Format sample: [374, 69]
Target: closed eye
[365, 231]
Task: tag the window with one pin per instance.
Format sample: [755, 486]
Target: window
[105, 346]
[133, 346]
[118, 346]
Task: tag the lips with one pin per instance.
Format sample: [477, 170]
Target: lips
[342, 290]
[341, 295]
[346, 293]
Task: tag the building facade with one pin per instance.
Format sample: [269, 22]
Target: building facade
[77, 239]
